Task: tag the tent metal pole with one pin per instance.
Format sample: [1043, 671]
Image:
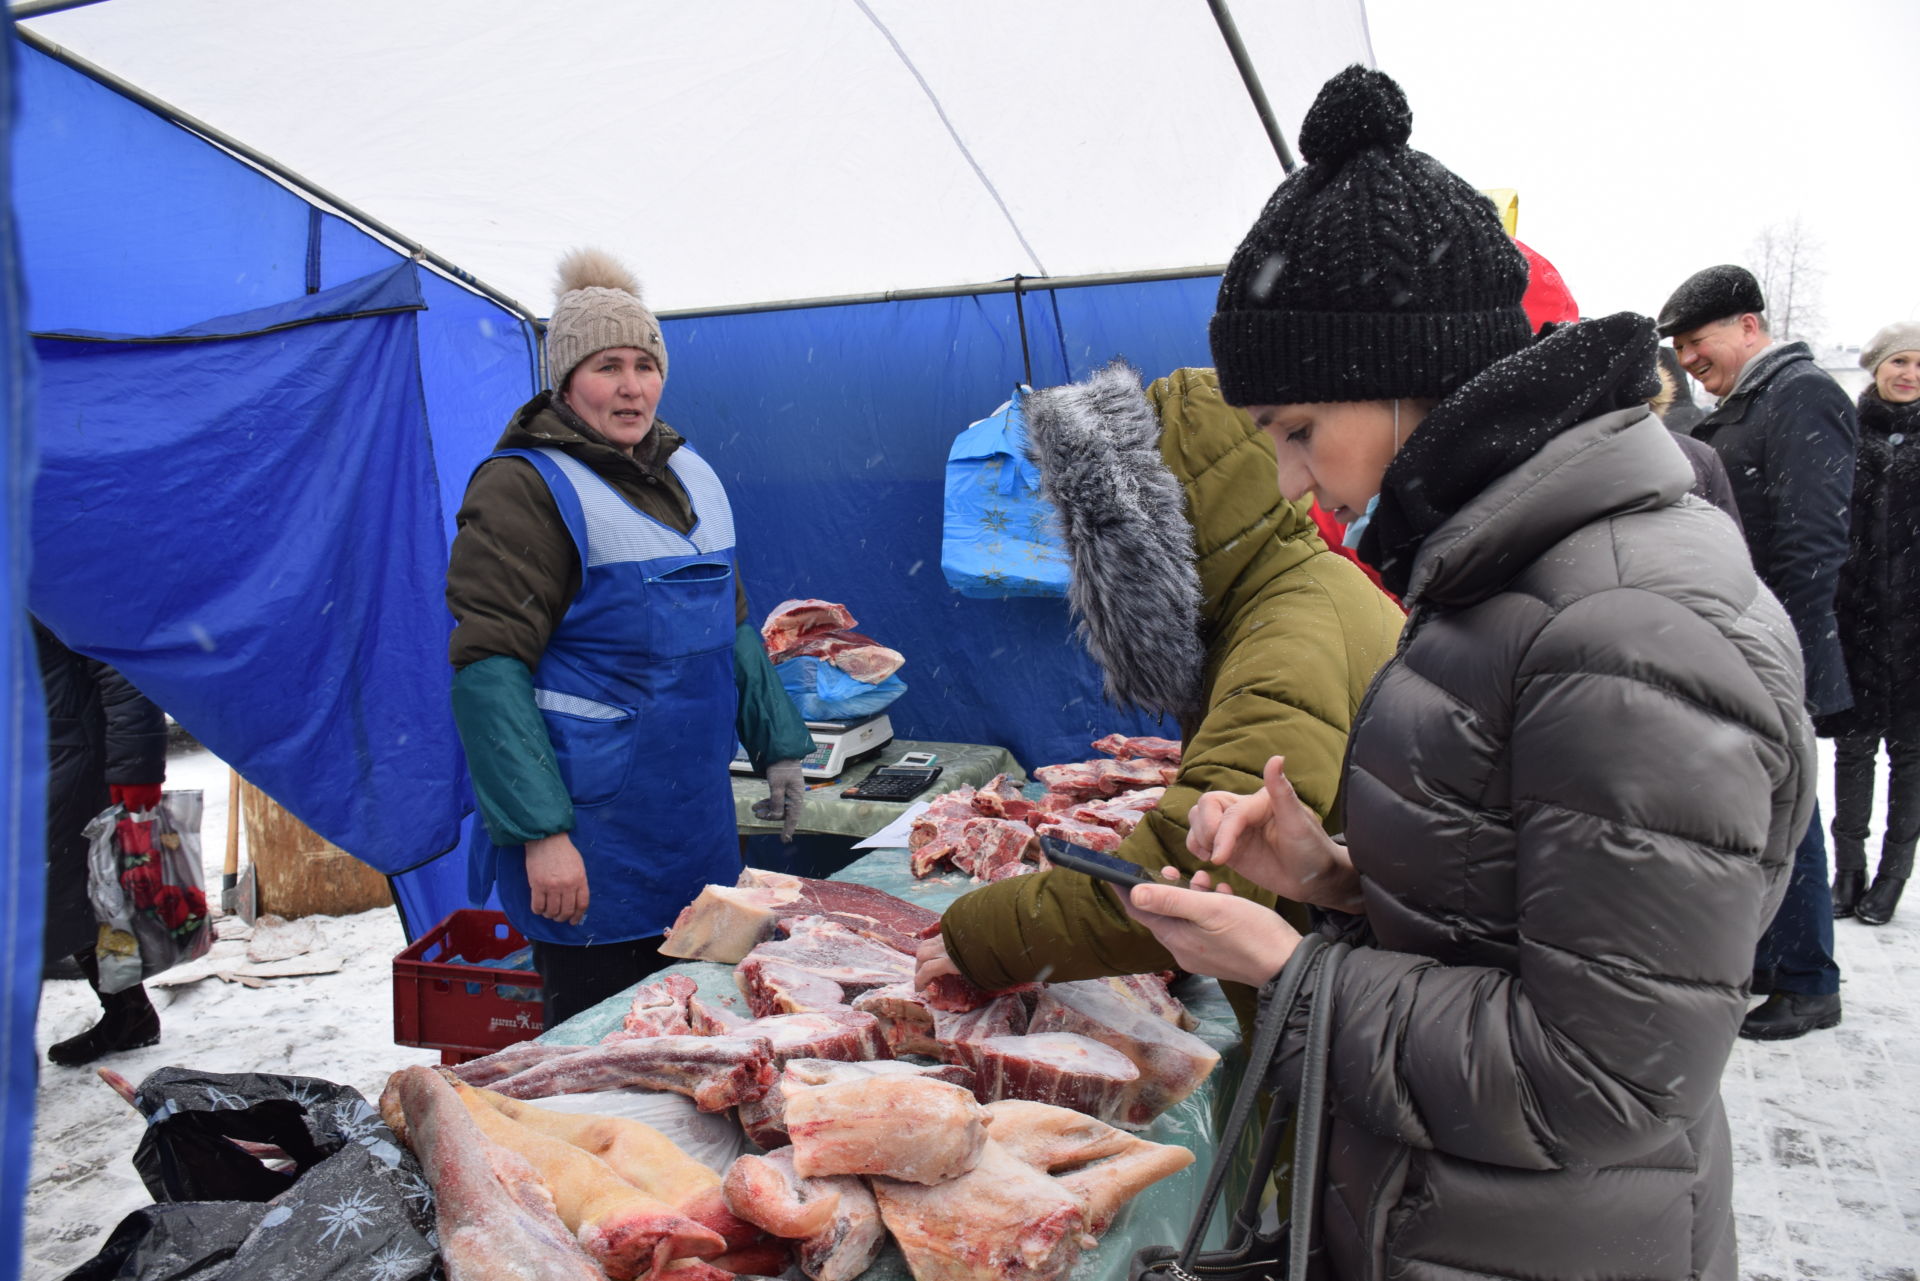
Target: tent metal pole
[1251, 78]
[268, 165]
[41, 8]
[1021, 284]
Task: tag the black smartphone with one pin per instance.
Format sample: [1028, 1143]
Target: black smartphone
[1104, 867]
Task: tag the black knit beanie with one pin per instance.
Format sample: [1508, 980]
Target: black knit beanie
[1373, 273]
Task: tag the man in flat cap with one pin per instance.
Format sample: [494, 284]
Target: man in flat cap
[1787, 434]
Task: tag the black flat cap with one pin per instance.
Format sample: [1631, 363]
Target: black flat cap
[1710, 295]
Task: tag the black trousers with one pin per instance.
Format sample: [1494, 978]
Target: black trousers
[573, 979]
[1855, 763]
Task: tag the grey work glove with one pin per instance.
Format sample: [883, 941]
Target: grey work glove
[786, 798]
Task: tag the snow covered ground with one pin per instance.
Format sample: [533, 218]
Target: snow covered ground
[1826, 1132]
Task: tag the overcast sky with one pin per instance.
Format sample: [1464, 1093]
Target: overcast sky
[1650, 140]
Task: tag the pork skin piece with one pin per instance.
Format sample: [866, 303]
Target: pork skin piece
[959, 1035]
[495, 1218]
[1172, 1063]
[628, 1233]
[641, 1155]
[765, 1120]
[989, 844]
[1104, 1166]
[716, 1072]
[724, 923]
[835, 1219]
[1120, 747]
[1001, 1221]
[901, 1125]
[790, 620]
[659, 1009]
[704, 1019]
[826, 951]
[1061, 1068]
[906, 1022]
[1091, 835]
[511, 1061]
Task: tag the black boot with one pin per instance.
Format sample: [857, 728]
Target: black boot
[1848, 884]
[1785, 1015]
[1877, 904]
[128, 1021]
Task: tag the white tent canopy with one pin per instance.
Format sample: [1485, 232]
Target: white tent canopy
[741, 151]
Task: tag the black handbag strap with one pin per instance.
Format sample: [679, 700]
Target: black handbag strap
[1312, 1113]
[1266, 1038]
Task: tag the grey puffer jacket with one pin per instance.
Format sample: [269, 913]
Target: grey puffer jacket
[1572, 798]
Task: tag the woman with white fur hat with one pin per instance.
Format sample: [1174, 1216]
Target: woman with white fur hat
[1880, 635]
[603, 664]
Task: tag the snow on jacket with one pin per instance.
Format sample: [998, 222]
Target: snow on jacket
[1878, 604]
[1787, 435]
[1572, 798]
[1198, 586]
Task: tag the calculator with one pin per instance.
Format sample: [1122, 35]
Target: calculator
[893, 783]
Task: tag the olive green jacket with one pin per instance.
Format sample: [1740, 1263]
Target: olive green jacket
[1292, 634]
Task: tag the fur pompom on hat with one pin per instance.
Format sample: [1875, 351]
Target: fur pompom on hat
[1374, 272]
[1901, 335]
[596, 306]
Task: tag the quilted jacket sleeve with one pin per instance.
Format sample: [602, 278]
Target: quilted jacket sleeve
[1648, 856]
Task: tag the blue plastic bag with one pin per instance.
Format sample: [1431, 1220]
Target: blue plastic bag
[999, 536]
[823, 692]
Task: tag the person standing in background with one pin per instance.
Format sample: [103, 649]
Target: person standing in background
[106, 745]
[1879, 613]
[1787, 436]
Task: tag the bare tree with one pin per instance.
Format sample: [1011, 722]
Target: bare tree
[1786, 258]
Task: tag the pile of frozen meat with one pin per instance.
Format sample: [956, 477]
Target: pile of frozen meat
[992, 833]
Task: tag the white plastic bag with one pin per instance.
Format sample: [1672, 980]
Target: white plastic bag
[143, 879]
[713, 1139]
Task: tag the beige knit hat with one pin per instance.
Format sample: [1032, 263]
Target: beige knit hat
[596, 306]
[1901, 335]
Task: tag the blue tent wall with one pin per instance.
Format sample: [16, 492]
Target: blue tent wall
[23, 739]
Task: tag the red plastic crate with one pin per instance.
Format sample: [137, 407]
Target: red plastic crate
[433, 1007]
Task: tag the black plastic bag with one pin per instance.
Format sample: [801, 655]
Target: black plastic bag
[190, 1241]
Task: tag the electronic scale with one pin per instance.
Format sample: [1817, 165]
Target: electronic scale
[836, 745]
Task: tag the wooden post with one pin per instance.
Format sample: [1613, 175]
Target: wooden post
[297, 872]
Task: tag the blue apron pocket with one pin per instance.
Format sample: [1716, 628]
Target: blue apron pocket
[690, 610]
[592, 741]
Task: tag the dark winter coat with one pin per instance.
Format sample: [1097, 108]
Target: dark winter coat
[1215, 567]
[1572, 798]
[1878, 604]
[1787, 435]
[101, 731]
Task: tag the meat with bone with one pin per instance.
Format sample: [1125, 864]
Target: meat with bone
[1122, 813]
[628, 1232]
[861, 657]
[959, 1034]
[938, 850]
[511, 1061]
[1011, 870]
[765, 1121]
[1090, 835]
[906, 1023]
[1086, 780]
[902, 1125]
[1003, 798]
[724, 922]
[659, 1009]
[1123, 748]
[824, 950]
[641, 1155]
[1151, 991]
[1107, 1167]
[496, 1219]
[772, 988]
[716, 1072]
[705, 1019]
[835, 1219]
[1071, 1071]
[956, 994]
[837, 1033]
[791, 620]
[1171, 1063]
[989, 844]
[1001, 1220]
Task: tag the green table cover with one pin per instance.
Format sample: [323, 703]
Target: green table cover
[1158, 1216]
[830, 814]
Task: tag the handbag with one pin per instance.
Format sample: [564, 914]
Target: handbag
[1251, 1254]
[143, 879]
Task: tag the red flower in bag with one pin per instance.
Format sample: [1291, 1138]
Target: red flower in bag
[196, 901]
[170, 905]
[144, 882]
[136, 839]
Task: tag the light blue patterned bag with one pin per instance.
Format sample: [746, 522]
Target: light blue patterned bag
[999, 536]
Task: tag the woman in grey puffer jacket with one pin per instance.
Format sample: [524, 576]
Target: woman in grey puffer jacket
[1572, 798]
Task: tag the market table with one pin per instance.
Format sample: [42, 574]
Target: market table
[830, 814]
[1158, 1216]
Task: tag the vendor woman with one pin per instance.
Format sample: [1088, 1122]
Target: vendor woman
[603, 664]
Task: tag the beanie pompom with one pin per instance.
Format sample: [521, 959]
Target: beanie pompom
[593, 269]
[1356, 109]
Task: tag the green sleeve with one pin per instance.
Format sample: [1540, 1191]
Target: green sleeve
[516, 779]
[769, 725]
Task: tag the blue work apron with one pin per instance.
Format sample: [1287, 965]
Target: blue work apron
[636, 688]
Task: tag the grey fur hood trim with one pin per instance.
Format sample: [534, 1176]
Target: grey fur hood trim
[1134, 587]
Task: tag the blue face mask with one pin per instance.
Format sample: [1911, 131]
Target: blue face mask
[1351, 538]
